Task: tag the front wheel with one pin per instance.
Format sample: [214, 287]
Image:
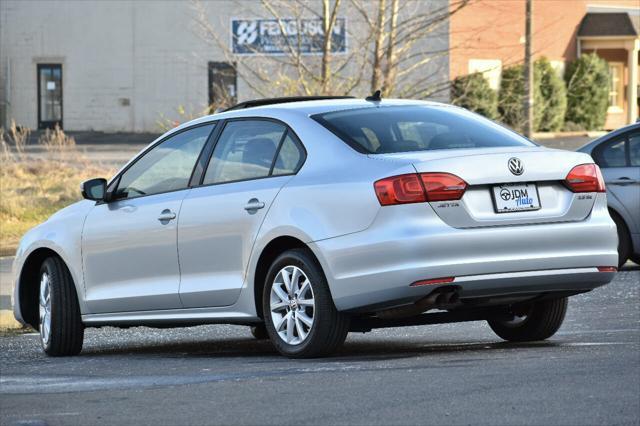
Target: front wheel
[300, 316]
[60, 325]
[536, 321]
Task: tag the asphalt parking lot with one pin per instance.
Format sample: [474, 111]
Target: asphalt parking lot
[589, 373]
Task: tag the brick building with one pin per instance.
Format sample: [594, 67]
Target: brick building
[488, 35]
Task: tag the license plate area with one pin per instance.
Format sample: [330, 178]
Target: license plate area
[515, 197]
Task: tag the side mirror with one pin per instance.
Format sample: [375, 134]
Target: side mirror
[94, 189]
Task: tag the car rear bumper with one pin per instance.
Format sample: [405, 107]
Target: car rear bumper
[410, 243]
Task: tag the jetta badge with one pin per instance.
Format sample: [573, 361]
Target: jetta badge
[515, 166]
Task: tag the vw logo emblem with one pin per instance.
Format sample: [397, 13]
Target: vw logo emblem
[515, 166]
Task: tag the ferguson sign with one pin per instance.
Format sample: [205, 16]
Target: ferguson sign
[280, 36]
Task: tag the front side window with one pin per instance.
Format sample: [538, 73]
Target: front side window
[245, 150]
[166, 167]
[392, 129]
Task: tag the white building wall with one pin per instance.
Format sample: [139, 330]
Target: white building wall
[125, 63]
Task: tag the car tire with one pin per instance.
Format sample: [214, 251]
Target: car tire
[295, 305]
[540, 321]
[60, 323]
[624, 240]
[259, 332]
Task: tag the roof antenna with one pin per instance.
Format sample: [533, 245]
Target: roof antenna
[374, 98]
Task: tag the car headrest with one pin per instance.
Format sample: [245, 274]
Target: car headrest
[448, 140]
[259, 151]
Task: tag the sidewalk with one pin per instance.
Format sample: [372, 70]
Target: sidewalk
[7, 321]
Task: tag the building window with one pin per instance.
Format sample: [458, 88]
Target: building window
[489, 68]
[49, 95]
[222, 85]
[616, 87]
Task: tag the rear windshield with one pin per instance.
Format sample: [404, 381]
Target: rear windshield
[391, 129]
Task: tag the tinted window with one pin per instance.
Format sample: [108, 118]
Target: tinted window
[634, 149]
[290, 157]
[245, 150]
[612, 154]
[416, 128]
[166, 167]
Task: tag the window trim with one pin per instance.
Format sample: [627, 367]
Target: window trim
[112, 187]
[288, 130]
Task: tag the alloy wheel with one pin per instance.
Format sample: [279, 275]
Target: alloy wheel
[45, 308]
[292, 305]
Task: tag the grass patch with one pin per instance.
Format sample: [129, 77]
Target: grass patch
[31, 191]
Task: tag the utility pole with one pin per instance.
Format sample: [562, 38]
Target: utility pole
[527, 107]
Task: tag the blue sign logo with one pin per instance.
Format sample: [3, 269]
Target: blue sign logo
[282, 36]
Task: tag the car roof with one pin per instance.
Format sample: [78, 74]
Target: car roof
[589, 146]
[307, 108]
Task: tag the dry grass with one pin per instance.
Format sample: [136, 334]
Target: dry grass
[30, 191]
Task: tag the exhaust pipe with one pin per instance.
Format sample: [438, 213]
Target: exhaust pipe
[441, 297]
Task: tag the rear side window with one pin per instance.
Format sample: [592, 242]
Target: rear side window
[290, 157]
[392, 129]
[612, 154]
[245, 150]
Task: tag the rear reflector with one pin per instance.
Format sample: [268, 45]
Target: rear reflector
[433, 281]
[418, 188]
[585, 178]
[443, 186]
[607, 269]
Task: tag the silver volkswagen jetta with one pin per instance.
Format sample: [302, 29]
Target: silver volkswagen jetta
[309, 219]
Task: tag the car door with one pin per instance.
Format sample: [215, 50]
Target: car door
[619, 160]
[129, 244]
[219, 221]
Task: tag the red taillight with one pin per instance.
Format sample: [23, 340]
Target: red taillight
[401, 189]
[444, 280]
[418, 188]
[585, 178]
[607, 269]
[443, 186]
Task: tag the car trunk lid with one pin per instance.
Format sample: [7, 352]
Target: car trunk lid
[543, 171]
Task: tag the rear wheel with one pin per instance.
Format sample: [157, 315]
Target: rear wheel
[536, 321]
[299, 314]
[60, 325]
[624, 240]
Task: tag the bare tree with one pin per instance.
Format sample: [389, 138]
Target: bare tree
[394, 46]
[403, 48]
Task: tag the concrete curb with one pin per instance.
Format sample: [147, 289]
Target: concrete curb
[555, 135]
[7, 321]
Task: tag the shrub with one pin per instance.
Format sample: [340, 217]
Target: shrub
[474, 93]
[552, 104]
[587, 91]
[511, 96]
[549, 97]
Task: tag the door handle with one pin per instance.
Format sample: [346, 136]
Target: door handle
[166, 215]
[622, 181]
[253, 205]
